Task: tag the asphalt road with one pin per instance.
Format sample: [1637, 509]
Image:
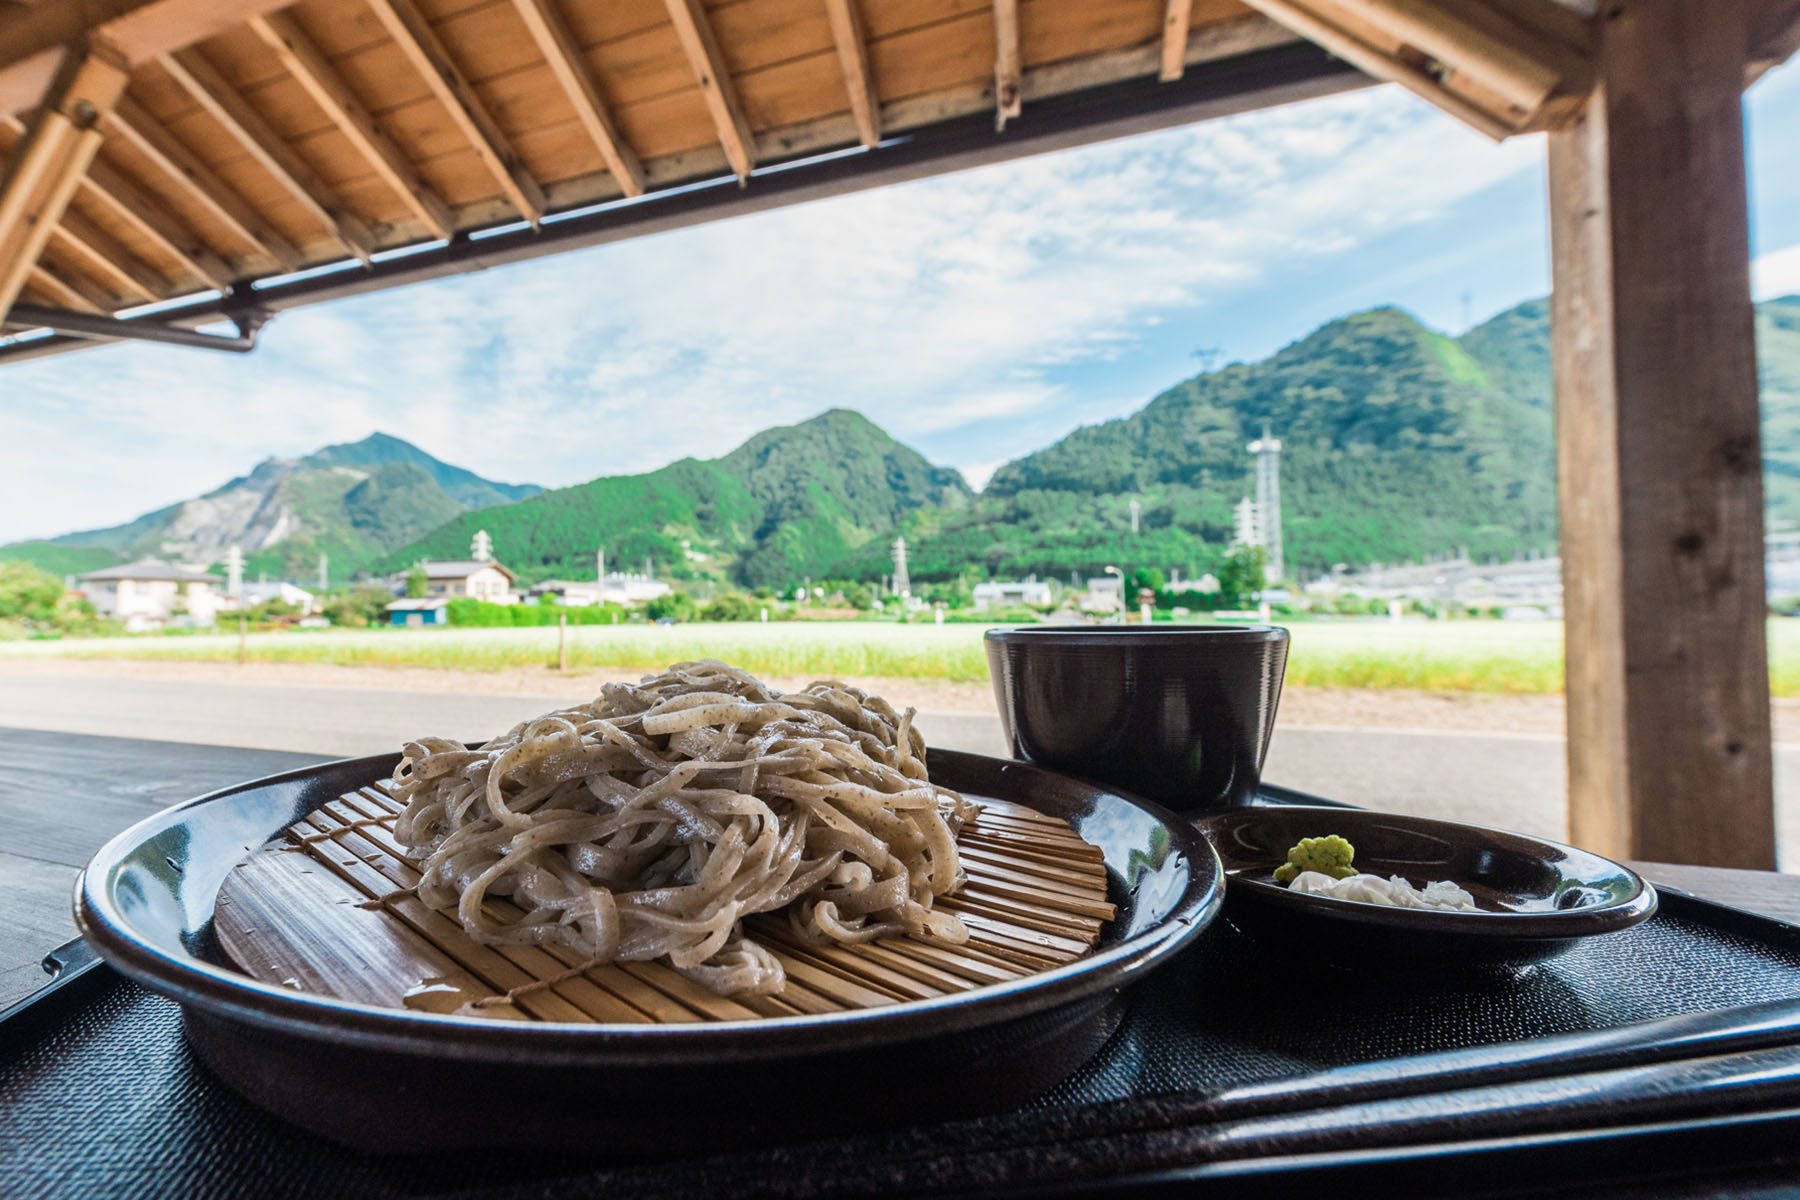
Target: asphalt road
[1514, 781]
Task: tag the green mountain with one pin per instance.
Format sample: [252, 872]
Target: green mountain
[352, 502]
[464, 487]
[788, 503]
[1396, 441]
[57, 559]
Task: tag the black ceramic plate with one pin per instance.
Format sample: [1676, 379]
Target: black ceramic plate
[398, 1079]
[1538, 897]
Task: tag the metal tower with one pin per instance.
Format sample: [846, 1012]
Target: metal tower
[902, 584]
[1268, 499]
[1244, 525]
[481, 547]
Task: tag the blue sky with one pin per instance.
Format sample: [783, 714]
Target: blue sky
[977, 316]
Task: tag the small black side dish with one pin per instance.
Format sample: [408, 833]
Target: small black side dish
[1538, 898]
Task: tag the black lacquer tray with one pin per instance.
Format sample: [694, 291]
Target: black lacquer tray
[1662, 1060]
[395, 1079]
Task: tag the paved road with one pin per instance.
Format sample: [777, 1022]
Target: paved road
[1514, 781]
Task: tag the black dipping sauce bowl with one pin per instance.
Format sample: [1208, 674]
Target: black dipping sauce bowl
[1178, 714]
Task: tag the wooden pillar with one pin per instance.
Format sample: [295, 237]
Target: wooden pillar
[1659, 445]
[48, 163]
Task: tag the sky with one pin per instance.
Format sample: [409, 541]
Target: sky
[975, 316]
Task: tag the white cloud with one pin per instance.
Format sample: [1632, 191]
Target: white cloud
[1776, 273]
[927, 306]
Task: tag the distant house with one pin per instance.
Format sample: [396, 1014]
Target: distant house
[1003, 593]
[1104, 594]
[421, 611]
[263, 593]
[615, 588]
[150, 595]
[572, 592]
[483, 579]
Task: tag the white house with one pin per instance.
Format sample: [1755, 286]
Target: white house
[624, 590]
[149, 595]
[484, 580]
[1104, 594]
[262, 593]
[574, 593]
[1002, 593]
[618, 588]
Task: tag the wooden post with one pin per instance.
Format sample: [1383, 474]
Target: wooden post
[562, 641]
[47, 165]
[243, 635]
[1659, 447]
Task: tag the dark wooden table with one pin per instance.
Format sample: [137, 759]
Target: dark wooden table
[62, 795]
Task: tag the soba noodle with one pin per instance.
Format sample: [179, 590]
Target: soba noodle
[649, 823]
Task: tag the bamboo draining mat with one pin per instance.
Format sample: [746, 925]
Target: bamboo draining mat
[327, 913]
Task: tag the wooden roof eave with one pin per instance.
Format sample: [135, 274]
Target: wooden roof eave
[1502, 69]
[1252, 66]
[32, 46]
[211, 175]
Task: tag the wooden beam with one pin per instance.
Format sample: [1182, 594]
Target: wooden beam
[151, 218]
[132, 205]
[702, 49]
[1374, 61]
[1177, 16]
[139, 30]
[104, 257]
[853, 58]
[559, 48]
[1009, 100]
[431, 59]
[1448, 35]
[1659, 450]
[46, 166]
[213, 93]
[65, 290]
[303, 60]
[184, 169]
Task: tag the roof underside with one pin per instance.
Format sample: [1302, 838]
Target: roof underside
[258, 143]
[317, 134]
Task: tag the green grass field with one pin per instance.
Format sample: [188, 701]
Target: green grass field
[1471, 656]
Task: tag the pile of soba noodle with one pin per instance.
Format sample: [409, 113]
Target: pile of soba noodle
[649, 823]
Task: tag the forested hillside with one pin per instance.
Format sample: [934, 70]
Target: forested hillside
[1397, 441]
[789, 503]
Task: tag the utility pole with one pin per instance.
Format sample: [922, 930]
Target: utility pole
[1135, 509]
[324, 570]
